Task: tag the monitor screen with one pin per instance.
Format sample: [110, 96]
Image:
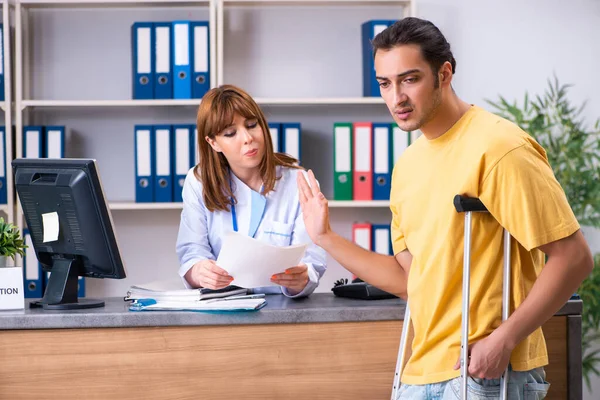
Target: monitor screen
[70, 226]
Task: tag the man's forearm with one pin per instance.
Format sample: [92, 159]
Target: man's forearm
[557, 282]
[379, 270]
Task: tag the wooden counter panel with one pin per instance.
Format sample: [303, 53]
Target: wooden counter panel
[350, 360]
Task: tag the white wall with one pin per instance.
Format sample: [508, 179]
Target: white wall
[501, 47]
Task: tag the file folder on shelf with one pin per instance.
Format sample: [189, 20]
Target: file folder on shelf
[80, 286]
[163, 185]
[382, 170]
[54, 142]
[183, 148]
[144, 164]
[275, 132]
[363, 172]
[163, 74]
[143, 54]
[369, 30]
[361, 235]
[201, 58]
[400, 140]
[33, 141]
[290, 140]
[32, 271]
[3, 166]
[381, 239]
[2, 55]
[342, 160]
[182, 70]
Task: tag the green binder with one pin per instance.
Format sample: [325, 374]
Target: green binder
[342, 161]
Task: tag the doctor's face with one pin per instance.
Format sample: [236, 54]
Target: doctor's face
[242, 143]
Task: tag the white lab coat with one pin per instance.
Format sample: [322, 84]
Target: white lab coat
[275, 219]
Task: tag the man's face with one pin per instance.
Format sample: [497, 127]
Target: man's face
[407, 85]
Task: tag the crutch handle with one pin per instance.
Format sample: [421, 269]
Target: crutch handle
[466, 204]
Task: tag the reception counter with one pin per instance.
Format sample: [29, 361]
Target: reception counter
[321, 347]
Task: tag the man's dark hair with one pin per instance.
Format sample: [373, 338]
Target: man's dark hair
[434, 46]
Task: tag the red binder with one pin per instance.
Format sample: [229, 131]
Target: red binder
[363, 163]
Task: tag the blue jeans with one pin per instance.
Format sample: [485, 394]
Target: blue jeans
[527, 385]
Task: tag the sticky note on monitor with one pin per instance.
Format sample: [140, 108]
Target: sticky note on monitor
[50, 227]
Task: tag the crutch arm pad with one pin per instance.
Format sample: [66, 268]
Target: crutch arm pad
[466, 204]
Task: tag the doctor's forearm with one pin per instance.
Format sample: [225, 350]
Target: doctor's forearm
[379, 270]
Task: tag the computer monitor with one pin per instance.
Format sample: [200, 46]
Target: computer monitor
[70, 226]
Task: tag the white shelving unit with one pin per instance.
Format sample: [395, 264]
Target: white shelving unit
[25, 105]
[128, 206]
[6, 106]
[194, 102]
[29, 106]
[408, 6]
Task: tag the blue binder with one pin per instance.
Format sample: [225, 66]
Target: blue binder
[162, 150]
[81, 286]
[182, 66]
[143, 54]
[200, 38]
[33, 142]
[183, 157]
[163, 74]
[381, 241]
[2, 52]
[32, 270]
[3, 166]
[369, 30]
[382, 161]
[290, 139]
[144, 163]
[54, 142]
[275, 131]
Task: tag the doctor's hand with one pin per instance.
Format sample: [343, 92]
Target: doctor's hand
[295, 278]
[314, 206]
[208, 275]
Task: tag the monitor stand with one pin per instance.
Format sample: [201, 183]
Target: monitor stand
[61, 292]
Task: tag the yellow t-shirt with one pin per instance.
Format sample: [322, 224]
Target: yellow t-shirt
[487, 157]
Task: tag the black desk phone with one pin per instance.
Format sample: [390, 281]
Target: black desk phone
[358, 289]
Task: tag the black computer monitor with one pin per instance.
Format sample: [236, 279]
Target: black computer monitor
[82, 242]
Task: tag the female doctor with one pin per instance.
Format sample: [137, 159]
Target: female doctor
[242, 185]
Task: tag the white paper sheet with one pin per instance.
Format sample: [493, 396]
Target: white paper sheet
[51, 227]
[251, 262]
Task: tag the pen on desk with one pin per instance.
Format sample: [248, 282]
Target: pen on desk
[243, 297]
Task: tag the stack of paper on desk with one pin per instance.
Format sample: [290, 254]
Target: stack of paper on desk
[233, 303]
[251, 262]
[169, 295]
[182, 295]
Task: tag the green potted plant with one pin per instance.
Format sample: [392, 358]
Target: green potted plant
[573, 150]
[11, 242]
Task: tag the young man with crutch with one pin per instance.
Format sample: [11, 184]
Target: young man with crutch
[465, 151]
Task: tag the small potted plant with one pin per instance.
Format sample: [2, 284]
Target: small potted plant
[11, 242]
